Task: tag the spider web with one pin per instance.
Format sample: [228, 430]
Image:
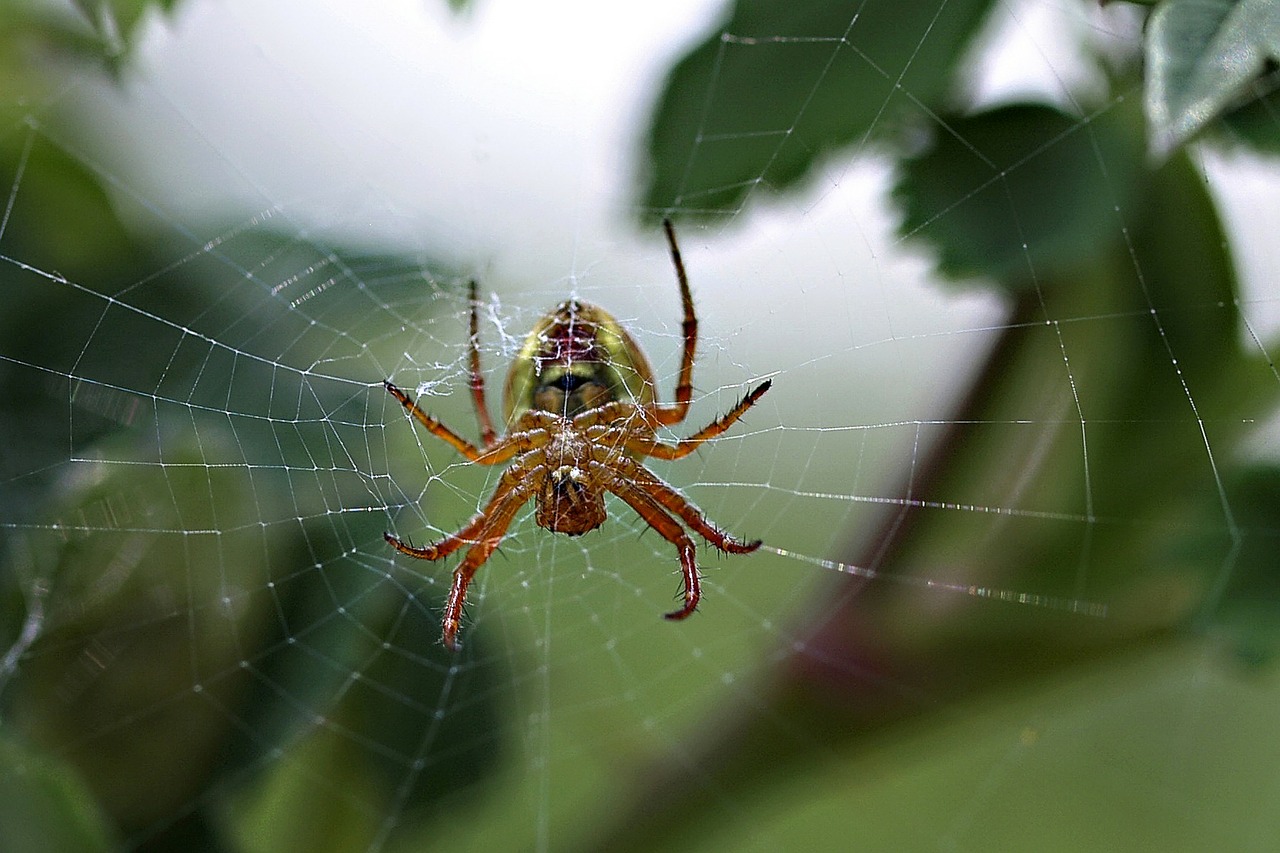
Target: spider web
[208, 638]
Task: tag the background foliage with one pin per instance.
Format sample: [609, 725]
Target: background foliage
[1041, 229]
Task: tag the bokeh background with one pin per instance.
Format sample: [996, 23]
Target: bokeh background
[1009, 265]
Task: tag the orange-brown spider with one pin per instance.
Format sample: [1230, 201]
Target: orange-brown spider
[581, 411]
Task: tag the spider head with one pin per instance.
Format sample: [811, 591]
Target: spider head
[569, 503]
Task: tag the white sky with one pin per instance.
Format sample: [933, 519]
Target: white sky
[505, 141]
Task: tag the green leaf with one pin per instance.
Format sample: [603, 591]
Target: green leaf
[285, 809]
[1022, 194]
[786, 83]
[1127, 443]
[1203, 58]
[1077, 424]
[118, 587]
[115, 20]
[44, 806]
[40, 42]
[1257, 123]
[1246, 605]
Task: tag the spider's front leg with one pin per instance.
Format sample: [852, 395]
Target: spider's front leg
[492, 454]
[682, 448]
[675, 413]
[488, 437]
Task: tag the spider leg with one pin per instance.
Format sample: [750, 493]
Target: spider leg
[487, 434]
[496, 518]
[494, 454]
[678, 505]
[443, 547]
[513, 480]
[483, 533]
[668, 528]
[685, 446]
[676, 412]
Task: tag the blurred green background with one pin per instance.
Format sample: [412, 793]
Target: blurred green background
[1070, 640]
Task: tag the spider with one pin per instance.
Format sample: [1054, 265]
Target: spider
[581, 413]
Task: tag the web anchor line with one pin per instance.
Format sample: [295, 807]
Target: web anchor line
[1063, 604]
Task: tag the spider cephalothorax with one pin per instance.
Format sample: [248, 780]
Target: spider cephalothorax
[581, 412]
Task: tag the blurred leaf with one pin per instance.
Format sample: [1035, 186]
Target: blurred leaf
[44, 807]
[1115, 437]
[1257, 123]
[140, 655]
[1078, 424]
[50, 192]
[1202, 58]
[52, 197]
[318, 797]
[338, 621]
[788, 82]
[1070, 427]
[114, 22]
[195, 617]
[33, 38]
[1149, 750]
[120, 15]
[1245, 604]
[41, 41]
[990, 197]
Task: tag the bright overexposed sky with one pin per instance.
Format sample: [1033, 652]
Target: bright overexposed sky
[506, 141]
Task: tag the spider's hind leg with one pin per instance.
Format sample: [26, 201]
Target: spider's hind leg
[668, 528]
[484, 533]
[678, 505]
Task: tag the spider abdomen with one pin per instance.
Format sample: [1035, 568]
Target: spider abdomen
[568, 503]
[576, 358]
